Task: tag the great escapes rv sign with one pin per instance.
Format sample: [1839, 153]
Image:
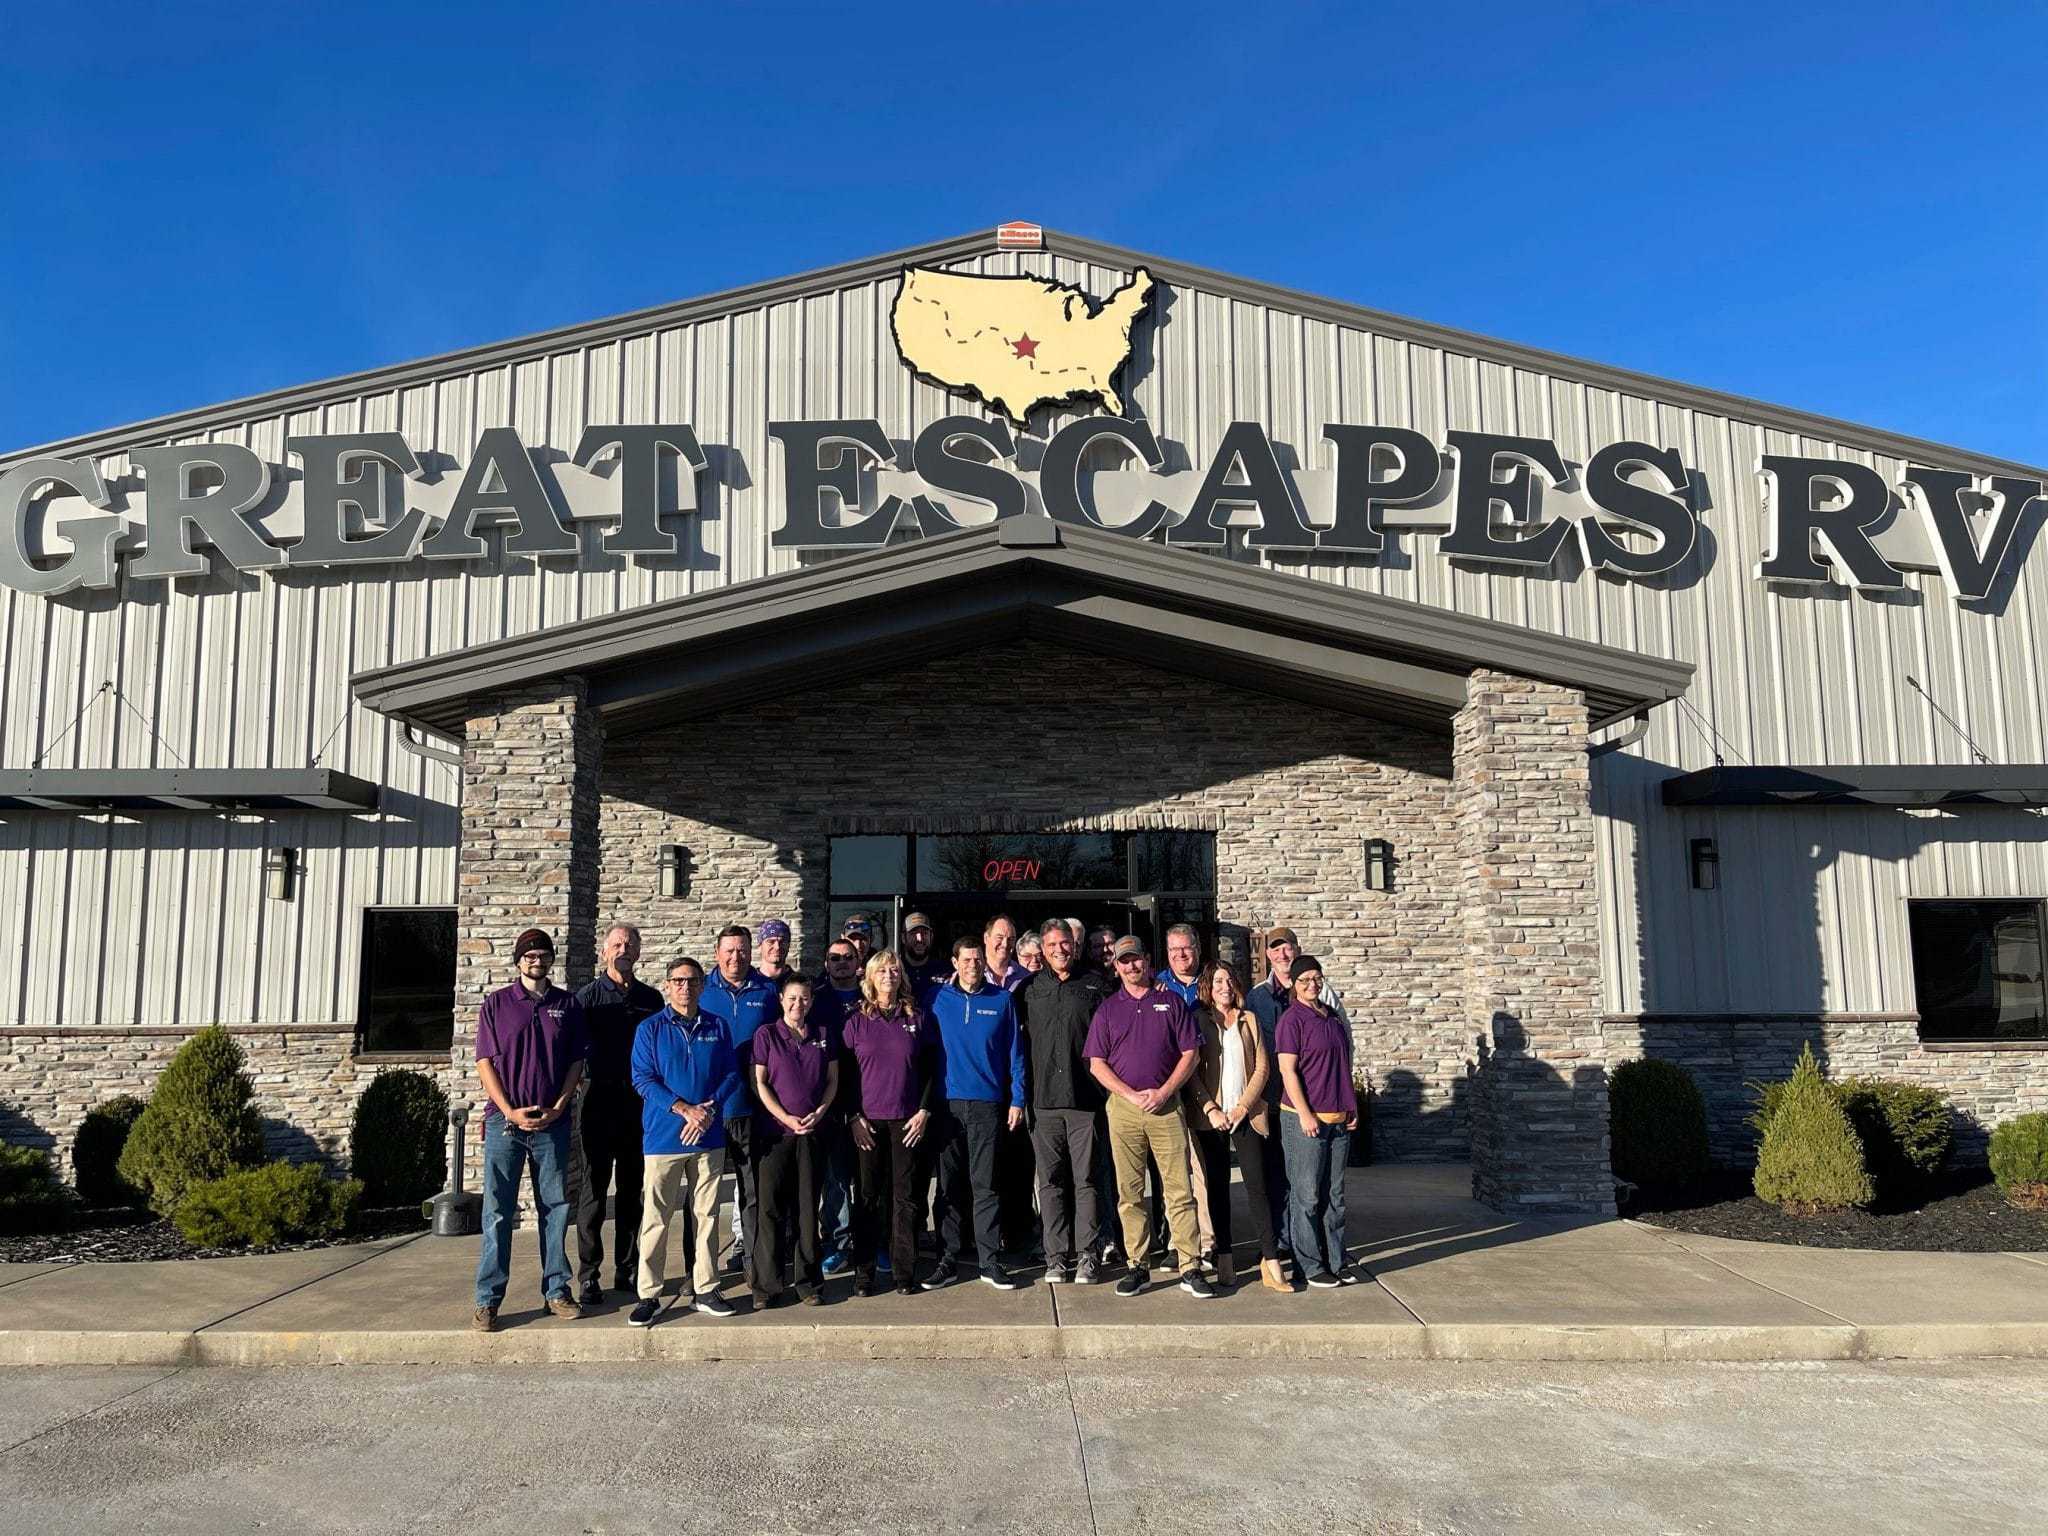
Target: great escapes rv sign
[1019, 344]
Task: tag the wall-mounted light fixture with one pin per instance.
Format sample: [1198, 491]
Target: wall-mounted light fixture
[671, 883]
[280, 872]
[1379, 864]
[1706, 864]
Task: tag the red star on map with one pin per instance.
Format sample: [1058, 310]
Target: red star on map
[1025, 346]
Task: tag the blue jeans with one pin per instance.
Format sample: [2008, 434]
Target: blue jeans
[835, 1220]
[1315, 1192]
[508, 1152]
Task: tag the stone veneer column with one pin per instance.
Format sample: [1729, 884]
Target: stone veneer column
[1532, 980]
[529, 856]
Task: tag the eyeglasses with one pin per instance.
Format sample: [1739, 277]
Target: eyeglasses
[544, 956]
[686, 981]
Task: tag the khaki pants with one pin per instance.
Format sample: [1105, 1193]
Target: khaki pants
[1133, 1135]
[685, 1181]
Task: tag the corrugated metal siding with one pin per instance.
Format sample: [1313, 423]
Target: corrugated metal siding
[163, 922]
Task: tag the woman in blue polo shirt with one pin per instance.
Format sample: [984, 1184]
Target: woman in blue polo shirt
[1312, 1045]
[796, 1077]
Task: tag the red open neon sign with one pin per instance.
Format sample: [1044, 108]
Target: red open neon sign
[1004, 871]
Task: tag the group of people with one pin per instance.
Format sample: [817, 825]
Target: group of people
[907, 1091]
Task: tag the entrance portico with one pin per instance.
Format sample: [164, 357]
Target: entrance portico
[688, 764]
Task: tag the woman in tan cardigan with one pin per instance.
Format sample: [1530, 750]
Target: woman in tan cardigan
[1226, 1100]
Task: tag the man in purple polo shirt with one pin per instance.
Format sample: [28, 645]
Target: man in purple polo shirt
[1141, 1047]
[530, 1049]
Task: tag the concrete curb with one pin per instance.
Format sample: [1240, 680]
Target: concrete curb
[699, 1340]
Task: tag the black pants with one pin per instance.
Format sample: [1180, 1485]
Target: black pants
[746, 1185]
[1016, 1167]
[1214, 1148]
[608, 1147]
[967, 1176]
[1275, 1167]
[1064, 1141]
[891, 1183]
[792, 1178]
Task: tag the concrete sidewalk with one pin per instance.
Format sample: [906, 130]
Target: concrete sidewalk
[1451, 1280]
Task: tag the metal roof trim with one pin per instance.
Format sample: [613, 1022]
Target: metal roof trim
[982, 242]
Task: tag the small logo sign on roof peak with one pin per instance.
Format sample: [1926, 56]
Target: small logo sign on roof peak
[1020, 235]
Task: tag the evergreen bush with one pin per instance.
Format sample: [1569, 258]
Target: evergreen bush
[2019, 1160]
[1657, 1125]
[1811, 1160]
[398, 1140]
[31, 1199]
[1906, 1129]
[199, 1123]
[96, 1152]
[262, 1207]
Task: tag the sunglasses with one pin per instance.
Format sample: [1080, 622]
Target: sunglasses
[838, 955]
[1132, 960]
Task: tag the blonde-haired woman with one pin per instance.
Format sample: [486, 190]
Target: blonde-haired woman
[1226, 1102]
[892, 1061]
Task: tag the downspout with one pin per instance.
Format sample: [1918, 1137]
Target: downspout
[418, 747]
[1639, 727]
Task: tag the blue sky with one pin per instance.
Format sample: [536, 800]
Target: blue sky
[1839, 209]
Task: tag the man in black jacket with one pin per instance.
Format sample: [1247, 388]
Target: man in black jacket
[1054, 1009]
[608, 1116]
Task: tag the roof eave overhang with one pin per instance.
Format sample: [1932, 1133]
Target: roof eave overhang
[1102, 592]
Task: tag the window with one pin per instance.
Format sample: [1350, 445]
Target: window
[406, 1000]
[1977, 969]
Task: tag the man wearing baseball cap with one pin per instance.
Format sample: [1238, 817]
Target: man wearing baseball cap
[1141, 1048]
[530, 1049]
[859, 927]
[923, 966]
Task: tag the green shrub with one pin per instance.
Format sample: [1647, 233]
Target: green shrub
[1906, 1130]
[199, 1123]
[261, 1207]
[96, 1152]
[1657, 1123]
[398, 1141]
[1811, 1160]
[31, 1199]
[2019, 1160]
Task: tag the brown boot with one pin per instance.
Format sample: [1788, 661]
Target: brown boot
[1273, 1277]
[1226, 1270]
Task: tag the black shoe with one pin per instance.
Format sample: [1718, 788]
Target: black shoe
[1133, 1282]
[943, 1274]
[1000, 1278]
[711, 1304]
[1323, 1280]
[778, 1301]
[909, 1288]
[592, 1295]
[1197, 1287]
[865, 1284]
[628, 1284]
[643, 1316]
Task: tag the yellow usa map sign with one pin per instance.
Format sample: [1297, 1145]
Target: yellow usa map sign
[1018, 342]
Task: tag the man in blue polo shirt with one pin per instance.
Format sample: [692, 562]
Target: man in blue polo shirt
[741, 999]
[983, 1075]
[684, 1069]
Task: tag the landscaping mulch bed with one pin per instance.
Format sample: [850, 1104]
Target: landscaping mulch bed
[129, 1237]
[1963, 1213]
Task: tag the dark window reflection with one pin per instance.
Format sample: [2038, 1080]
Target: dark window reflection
[407, 998]
[1977, 970]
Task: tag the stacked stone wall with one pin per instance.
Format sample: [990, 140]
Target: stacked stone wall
[1725, 1055]
[1292, 793]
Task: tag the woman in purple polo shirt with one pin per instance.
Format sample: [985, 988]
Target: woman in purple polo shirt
[796, 1077]
[1318, 1115]
[892, 1059]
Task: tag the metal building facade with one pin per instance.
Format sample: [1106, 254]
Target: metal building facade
[160, 921]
